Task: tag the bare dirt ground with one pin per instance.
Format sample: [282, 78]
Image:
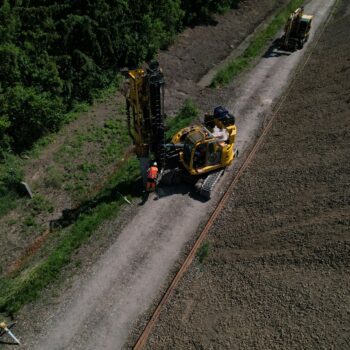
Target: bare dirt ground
[277, 276]
[126, 264]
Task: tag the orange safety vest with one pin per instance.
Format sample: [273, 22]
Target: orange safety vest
[152, 173]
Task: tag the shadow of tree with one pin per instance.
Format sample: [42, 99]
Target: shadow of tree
[127, 187]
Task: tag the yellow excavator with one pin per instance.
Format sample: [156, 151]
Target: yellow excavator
[296, 30]
[197, 154]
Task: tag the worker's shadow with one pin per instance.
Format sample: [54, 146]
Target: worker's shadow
[275, 51]
[163, 191]
[132, 187]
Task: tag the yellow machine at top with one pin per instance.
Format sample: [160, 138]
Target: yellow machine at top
[197, 154]
[296, 30]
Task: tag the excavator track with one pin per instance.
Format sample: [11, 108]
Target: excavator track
[209, 183]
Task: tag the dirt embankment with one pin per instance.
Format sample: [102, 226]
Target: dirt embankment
[277, 276]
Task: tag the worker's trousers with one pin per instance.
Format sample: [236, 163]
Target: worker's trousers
[150, 185]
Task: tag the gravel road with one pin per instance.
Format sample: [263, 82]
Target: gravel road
[104, 305]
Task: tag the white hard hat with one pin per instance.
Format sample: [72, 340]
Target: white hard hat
[155, 164]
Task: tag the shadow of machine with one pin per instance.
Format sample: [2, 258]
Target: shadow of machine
[275, 50]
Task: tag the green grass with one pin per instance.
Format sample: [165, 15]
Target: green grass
[187, 114]
[27, 285]
[88, 154]
[54, 177]
[256, 47]
[8, 202]
[104, 94]
[11, 167]
[76, 111]
[39, 204]
[203, 252]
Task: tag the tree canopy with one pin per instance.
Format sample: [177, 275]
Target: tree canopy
[53, 53]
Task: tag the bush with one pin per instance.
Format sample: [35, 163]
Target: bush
[29, 114]
[187, 114]
[203, 252]
[11, 174]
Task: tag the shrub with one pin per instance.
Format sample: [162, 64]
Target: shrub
[187, 114]
[29, 114]
[203, 252]
[11, 174]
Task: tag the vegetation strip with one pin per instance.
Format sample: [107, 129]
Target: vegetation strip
[256, 47]
[30, 250]
[26, 288]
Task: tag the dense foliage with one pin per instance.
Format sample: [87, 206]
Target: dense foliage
[54, 53]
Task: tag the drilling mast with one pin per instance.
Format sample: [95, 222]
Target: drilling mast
[145, 114]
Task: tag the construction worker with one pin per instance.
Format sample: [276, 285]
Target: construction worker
[152, 174]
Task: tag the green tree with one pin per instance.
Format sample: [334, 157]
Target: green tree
[52, 54]
[31, 113]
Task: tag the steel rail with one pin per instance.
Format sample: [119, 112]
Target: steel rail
[141, 341]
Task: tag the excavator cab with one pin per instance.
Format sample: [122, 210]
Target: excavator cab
[209, 146]
[207, 156]
[201, 152]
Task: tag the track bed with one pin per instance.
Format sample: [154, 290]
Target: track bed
[277, 276]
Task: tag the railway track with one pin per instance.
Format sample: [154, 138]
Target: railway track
[142, 339]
